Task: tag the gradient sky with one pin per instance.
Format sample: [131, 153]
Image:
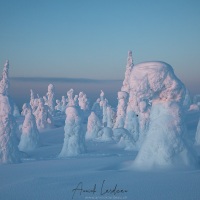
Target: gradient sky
[90, 38]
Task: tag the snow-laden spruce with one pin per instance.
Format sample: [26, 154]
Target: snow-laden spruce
[93, 126]
[42, 116]
[96, 108]
[74, 138]
[9, 152]
[30, 136]
[51, 101]
[129, 66]
[164, 145]
[121, 109]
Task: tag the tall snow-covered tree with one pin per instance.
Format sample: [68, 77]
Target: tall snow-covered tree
[51, 101]
[129, 66]
[164, 145]
[121, 109]
[9, 152]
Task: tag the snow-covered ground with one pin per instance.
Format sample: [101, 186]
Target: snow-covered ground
[100, 173]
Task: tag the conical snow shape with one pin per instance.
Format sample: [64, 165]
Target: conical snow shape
[74, 140]
[9, 152]
[129, 66]
[30, 136]
[164, 145]
[93, 126]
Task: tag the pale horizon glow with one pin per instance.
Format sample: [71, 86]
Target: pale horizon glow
[90, 39]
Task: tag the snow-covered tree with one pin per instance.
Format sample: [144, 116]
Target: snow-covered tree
[93, 126]
[83, 101]
[74, 138]
[103, 105]
[58, 106]
[30, 136]
[97, 109]
[164, 145]
[25, 108]
[16, 112]
[70, 95]
[42, 115]
[64, 104]
[5, 83]
[129, 66]
[121, 109]
[51, 98]
[110, 117]
[9, 152]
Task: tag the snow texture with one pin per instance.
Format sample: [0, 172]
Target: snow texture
[30, 136]
[121, 109]
[74, 139]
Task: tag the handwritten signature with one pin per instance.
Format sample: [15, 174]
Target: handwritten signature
[103, 190]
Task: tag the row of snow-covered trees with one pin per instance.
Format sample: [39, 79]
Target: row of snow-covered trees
[148, 117]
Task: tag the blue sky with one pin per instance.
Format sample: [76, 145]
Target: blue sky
[90, 38]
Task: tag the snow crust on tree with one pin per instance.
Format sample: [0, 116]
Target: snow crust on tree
[30, 135]
[187, 100]
[103, 105]
[16, 112]
[74, 138]
[164, 145]
[121, 109]
[93, 126]
[5, 84]
[51, 101]
[129, 66]
[70, 95]
[42, 115]
[63, 103]
[110, 117]
[9, 152]
[96, 108]
[197, 136]
[194, 107]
